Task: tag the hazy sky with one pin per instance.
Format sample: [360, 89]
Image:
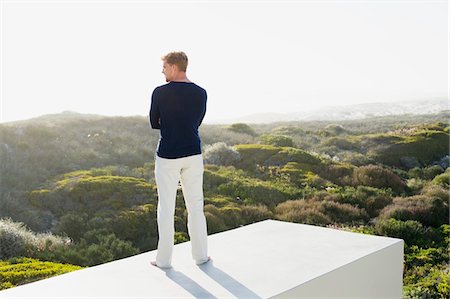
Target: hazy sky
[103, 57]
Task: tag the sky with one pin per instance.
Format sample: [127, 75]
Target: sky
[104, 57]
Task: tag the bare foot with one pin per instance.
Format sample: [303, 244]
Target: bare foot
[153, 263]
[207, 260]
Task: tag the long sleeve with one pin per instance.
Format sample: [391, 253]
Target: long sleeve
[154, 115]
[204, 110]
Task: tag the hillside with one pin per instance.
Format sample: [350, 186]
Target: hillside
[84, 185]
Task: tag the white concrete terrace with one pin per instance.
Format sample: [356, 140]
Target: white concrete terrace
[268, 259]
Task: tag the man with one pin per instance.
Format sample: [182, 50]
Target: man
[178, 109]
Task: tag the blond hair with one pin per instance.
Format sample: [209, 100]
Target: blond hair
[177, 58]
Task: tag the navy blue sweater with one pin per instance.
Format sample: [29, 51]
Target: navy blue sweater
[177, 109]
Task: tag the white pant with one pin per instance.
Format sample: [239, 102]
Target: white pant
[168, 172]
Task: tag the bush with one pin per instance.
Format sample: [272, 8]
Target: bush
[18, 271]
[427, 281]
[420, 148]
[301, 211]
[337, 172]
[180, 237]
[415, 172]
[17, 240]
[343, 213]
[415, 184]
[431, 171]
[211, 179]
[214, 222]
[315, 181]
[84, 193]
[431, 211]
[97, 246]
[442, 180]
[341, 143]
[335, 129]
[11, 243]
[427, 173]
[138, 225]
[269, 155]
[412, 232]
[371, 199]
[242, 128]
[436, 191]
[252, 213]
[354, 158]
[276, 140]
[416, 256]
[220, 154]
[73, 225]
[378, 177]
[255, 192]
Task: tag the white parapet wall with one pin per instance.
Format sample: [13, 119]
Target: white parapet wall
[268, 259]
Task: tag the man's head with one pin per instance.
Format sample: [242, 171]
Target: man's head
[174, 63]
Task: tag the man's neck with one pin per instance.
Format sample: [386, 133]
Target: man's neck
[180, 77]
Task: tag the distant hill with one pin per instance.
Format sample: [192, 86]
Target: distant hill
[348, 112]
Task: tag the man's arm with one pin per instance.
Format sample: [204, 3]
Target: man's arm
[154, 112]
[204, 110]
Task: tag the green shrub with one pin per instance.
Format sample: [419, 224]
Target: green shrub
[337, 173]
[425, 146]
[211, 179]
[371, 199]
[412, 232]
[315, 180]
[415, 172]
[73, 225]
[82, 193]
[138, 225]
[268, 155]
[416, 256]
[431, 211]
[342, 143]
[438, 191]
[214, 222]
[242, 128]
[180, 237]
[415, 185]
[252, 213]
[18, 271]
[276, 140]
[219, 201]
[343, 213]
[288, 131]
[301, 211]
[231, 216]
[354, 158]
[335, 129]
[442, 180]
[432, 171]
[427, 281]
[255, 191]
[254, 154]
[378, 177]
[97, 246]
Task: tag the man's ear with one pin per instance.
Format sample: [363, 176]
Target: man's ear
[174, 67]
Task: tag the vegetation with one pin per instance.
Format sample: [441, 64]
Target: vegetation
[16, 271]
[79, 190]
